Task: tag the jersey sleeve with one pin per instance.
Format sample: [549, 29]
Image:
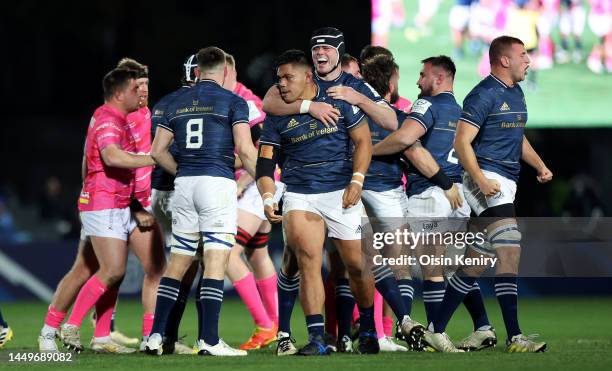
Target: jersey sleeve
[107, 132]
[270, 134]
[239, 111]
[421, 113]
[157, 117]
[367, 90]
[256, 113]
[352, 115]
[476, 108]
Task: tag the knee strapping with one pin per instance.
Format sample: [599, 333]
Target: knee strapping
[507, 235]
[184, 243]
[218, 241]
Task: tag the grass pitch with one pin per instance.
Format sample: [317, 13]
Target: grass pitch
[578, 332]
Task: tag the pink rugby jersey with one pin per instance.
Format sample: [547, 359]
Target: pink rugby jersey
[139, 127]
[106, 187]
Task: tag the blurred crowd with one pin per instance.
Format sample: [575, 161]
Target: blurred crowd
[552, 30]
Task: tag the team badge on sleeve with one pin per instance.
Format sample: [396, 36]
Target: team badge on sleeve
[421, 106]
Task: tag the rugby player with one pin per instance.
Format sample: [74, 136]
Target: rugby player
[321, 192]
[207, 122]
[434, 188]
[104, 202]
[162, 184]
[490, 142]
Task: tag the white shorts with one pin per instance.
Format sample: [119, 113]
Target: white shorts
[459, 17]
[388, 207]
[431, 210]
[251, 200]
[478, 202]
[600, 24]
[343, 224]
[110, 223]
[204, 204]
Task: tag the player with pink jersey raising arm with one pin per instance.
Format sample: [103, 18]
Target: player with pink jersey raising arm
[257, 289]
[106, 196]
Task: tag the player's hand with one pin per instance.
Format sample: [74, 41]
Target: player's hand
[324, 112]
[271, 213]
[454, 196]
[490, 187]
[345, 93]
[544, 175]
[144, 219]
[351, 195]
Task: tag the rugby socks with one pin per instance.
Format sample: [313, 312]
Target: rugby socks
[475, 306]
[506, 290]
[174, 320]
[288, 289]
[378, 314]
[433, 293]
[269, 296]
[458, 287]
[3, 322]
[247, 290]
[388, 326]
[53, 320]
[387, 286]
[366, 320]
[105, 307]
[315, 325]
[406, 287]
[89, 294]
[199, 309]
[345, 302]
[167, 295]
[147, 324]
[211, 295]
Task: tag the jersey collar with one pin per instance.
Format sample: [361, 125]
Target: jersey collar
[499, 81]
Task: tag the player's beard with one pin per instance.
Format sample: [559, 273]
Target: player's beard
[425, 91]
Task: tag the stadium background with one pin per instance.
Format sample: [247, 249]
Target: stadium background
[53, 60]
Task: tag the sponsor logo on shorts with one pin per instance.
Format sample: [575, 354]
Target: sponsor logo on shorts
[359, 229]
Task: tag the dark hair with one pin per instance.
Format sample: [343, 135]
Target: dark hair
[500, 45]
[370, 51]
[117, 80]
[346, 59]
[131, 64]
[377, 71]
[292, 56]
[229, 59]
[443, 62]
[210, 57]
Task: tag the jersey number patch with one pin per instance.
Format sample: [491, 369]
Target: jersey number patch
[194, 133]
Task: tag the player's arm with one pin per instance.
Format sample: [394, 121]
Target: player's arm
[243, 182]
[244, 146]
[160, 150]
[424, 162]
[466, 132]
[275, 105]
[114, 156]
[362, 155]
[266, 165]
[400, 139]
[531, 157]
[381, 114]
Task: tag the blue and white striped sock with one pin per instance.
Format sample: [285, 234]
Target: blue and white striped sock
[433, 293]
[211, 296]
[506, 290]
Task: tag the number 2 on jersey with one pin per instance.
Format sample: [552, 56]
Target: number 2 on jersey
[194, 133]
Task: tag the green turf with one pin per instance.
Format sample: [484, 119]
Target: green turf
[578, 333]
[566, 96]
